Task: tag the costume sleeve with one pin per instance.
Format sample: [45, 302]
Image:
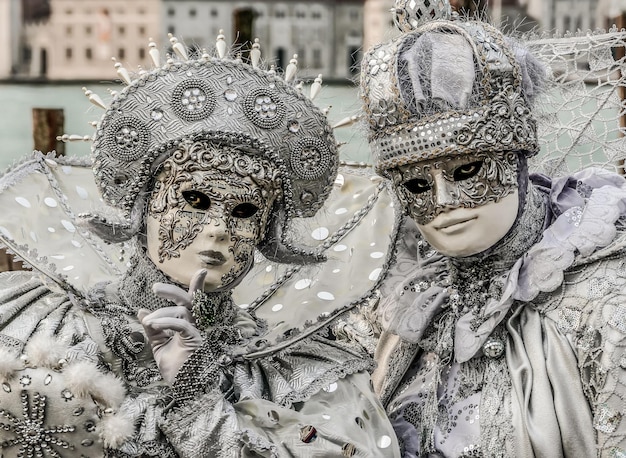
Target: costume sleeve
[313, 399]
[601, 345]
[343, 420]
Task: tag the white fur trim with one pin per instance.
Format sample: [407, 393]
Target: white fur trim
[46, 351]
[9, 364]
[115, 430]
[81, 377]
[85, 379]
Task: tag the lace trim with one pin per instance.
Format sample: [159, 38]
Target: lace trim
[496, 427]
[576, 233]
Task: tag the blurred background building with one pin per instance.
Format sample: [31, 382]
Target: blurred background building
[75, 39]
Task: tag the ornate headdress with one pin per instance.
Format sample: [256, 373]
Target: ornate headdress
[226, 102]
[446, 86]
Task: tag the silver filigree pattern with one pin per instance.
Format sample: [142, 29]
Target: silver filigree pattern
[254, 179]
[264, 108]
[193, 100]
[496, 179]
[128, 138]
[235, 103]
[310, 158]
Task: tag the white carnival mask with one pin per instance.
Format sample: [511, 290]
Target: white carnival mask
[462, 205]
[208, 218]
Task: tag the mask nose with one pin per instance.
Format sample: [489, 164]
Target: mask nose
[445, 193]
[216, 228]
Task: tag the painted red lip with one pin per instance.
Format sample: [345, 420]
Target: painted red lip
[212, 258]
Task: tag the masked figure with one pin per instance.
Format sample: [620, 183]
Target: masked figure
[202, 161]
[503, 317]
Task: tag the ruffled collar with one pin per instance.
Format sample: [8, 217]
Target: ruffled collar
[582, 211]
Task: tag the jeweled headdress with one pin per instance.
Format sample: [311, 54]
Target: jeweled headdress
[221, 100]
[446, 86]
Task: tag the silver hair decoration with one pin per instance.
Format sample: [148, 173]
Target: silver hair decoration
[222, 100]
[447, 86]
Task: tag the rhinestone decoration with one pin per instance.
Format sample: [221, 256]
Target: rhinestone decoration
[193, 100]
[129, 138]
[230, 95]
[493, 348]
[32, 436]
[264, 108]
[156, 115]
[410, 14]
[310, 158]
[606, 420]
[380, 60]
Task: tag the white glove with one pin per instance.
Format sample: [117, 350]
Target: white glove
[171, 331]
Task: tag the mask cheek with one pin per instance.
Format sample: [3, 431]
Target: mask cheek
[176, 230]
[243, 257]
[249, 229]
[419, 207]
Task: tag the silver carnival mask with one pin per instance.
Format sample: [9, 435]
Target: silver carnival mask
[427, 188]
[209, 209]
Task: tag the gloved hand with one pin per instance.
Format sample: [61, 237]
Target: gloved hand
[171, 331]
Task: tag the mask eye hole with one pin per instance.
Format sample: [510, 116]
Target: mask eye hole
[417, 185]
[244, 210]
[466, 171]
[197, 199]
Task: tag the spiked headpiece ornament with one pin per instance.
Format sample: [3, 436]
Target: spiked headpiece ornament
[224, 101]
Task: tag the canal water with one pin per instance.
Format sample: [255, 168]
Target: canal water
[18, 100]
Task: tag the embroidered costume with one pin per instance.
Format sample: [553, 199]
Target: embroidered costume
[200, 161]
[502, 319]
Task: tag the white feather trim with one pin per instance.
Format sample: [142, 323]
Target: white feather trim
[85, 379]
[9, 364]
[115, 430]
[45, 351]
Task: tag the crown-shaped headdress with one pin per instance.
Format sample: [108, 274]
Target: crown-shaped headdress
[446, 86]
[221, 100]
